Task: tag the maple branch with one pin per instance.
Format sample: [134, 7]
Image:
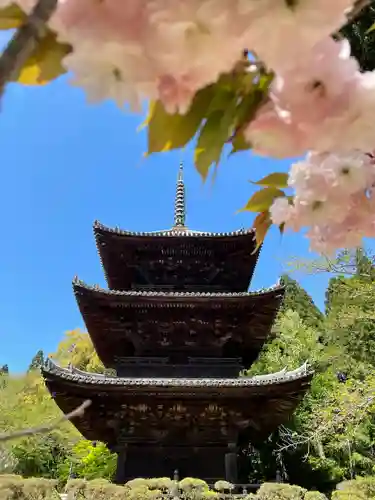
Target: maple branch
[78, 412]
[25, 40]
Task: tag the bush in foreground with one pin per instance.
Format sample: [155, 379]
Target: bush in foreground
[13, 487]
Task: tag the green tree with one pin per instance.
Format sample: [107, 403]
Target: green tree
[4, 370]
[37, 361]
[361, 40]
[76, 348]
[40, 455]
[89, 460]
[294, 344]
[298, 300]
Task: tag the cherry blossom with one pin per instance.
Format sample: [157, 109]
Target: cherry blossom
[312, 102]
[108, 71]
[331, 194]
[175, 38]
[294, 31]
[318, 102]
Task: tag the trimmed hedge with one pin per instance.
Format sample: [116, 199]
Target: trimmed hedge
[14, 487]
[362, 488]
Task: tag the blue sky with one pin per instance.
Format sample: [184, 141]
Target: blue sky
[65, 164]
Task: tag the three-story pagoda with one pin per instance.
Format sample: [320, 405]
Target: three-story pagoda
[178, 325]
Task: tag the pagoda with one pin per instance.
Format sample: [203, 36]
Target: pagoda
[176, 328]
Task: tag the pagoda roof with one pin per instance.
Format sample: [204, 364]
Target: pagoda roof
[276, 290]
[270, 398]
[174, 232]
[72, 374]
[176, 258]
[126, 323]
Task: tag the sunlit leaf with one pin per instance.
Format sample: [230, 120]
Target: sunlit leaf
[262, 200]
[372, 28]
[213, 136]
[276, 180]
[11, 17]
[222, 96]
[246, 110]
[262, 223]
[45, 64]
[173, 131]
[239, 143]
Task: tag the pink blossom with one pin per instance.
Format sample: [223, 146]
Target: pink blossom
[358, 223]
[176, 94]
[108, 20]
[281, 211]
[314, 104]
[271, 135]
[333, 198]
[110, 71]
[293, 31]
[320, 86]
[177, 39]
[327, 174]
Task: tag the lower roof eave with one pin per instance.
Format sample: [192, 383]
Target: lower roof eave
[89, 383]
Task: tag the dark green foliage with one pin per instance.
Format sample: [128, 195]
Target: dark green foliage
[362, 43]
[4, 370]
[40, 456]
[37, 361]
[298, 300]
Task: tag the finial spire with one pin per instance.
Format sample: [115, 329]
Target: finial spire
[179, 203]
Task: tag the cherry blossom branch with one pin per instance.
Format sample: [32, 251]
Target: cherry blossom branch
[78, 412]
[25, 40]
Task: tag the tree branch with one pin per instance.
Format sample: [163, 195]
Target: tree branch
[25, 40]
[358, 7]
[78, 412]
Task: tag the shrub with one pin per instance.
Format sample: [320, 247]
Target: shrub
[11, 486]
[314, 495]
[223, 485]
[276, 491]
[101, 489]
[361, 488]
[160, 483]
[8, 461]
[348, 495]
[40, 489]
[14, 487]
[190, 483]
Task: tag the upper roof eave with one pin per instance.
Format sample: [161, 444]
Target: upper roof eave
[303, 373]
[176, 232]
[77, 283]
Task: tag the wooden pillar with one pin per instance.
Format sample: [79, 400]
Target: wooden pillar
[121, 463]
[231, 466]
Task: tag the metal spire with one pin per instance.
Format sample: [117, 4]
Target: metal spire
[179, 202]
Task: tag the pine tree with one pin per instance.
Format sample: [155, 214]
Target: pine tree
[298, 300]
[4, 370]
[37, 361]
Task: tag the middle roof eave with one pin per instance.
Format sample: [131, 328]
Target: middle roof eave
[95, 292]
[283, 378]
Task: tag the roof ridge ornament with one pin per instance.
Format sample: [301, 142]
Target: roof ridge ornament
[179, 202]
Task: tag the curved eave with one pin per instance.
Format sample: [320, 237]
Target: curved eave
[118, 250]
[265, 401]
[95, 292]
[88, 383]
[100, 228]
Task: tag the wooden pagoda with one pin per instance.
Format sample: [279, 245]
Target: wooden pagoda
[177, 325]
